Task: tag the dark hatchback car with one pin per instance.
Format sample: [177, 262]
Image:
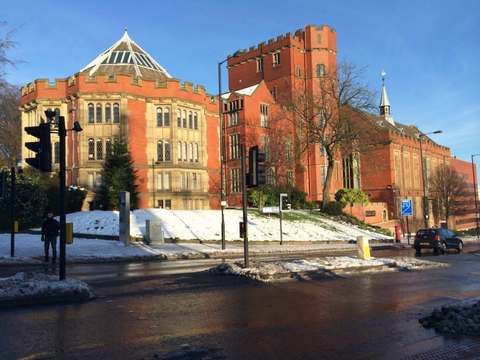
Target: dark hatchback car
[437, 239]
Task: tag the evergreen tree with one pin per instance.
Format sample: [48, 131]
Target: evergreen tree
[118, 175]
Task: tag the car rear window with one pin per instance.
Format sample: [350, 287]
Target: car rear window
[427, 232]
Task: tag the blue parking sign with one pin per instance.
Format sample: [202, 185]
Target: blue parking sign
[407, 207]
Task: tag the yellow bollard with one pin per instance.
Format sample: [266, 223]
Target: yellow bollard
[69, 233]
[15, 226]
[363, 248]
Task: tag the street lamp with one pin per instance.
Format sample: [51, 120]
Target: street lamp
[223, 203]
[425, 208]
[475, 190]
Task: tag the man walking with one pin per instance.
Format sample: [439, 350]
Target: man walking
[50, 228]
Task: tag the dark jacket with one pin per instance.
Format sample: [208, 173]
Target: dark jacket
[50, 227]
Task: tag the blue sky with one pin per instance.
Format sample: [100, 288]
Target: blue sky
[429, 49]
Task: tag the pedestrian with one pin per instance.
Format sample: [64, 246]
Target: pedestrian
[50, 228]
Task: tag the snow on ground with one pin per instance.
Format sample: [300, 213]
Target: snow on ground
[206, 225]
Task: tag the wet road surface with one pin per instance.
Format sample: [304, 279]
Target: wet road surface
[154, 308]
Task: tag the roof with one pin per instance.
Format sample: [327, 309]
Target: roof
[126, 57]
[245, 91]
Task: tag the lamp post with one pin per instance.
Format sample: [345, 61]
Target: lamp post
[475, 191]
[425, 208]
[223, 203]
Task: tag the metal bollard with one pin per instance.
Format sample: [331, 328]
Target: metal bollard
[363, 248]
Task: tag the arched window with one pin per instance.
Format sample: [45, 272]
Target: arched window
[108, 147]
[116, 113]
[167, 151]
[91, 114]
[190, 151]
[99, 114]
[108, 113]
[184, 118]
[196, 152]
[99, 149]
[184, 151]
[166, 117]
[57, 153]
[159, 117]
[179, 115]
[179, 150]
[91, 149]
[159, 151]
[190, 120]
[195, 121]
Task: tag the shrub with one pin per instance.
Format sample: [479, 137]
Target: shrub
[334, 208]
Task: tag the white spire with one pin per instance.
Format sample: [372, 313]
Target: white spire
[384, 103]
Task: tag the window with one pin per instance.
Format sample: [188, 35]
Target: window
[91, 114]
[234, 118]
[322, 151]
[116, 113]
[179, 118]
[99, 114]
[159, 181]
[289, 149]
[276, 59]
[91, 149]
[416, 172]
[259, 65]
[190, 120]
[320, 70]
[319, 39]
[194, 181]
[90, 181]
[190, 151]
[350, 169]
[108, 147]
[263, 115]
[160, 204]
[184, 122]
[323, 175]
[166, 119]
[167, 181]
[182, 181]
[159, 151]
[167, 151]
[108, 113]
[195, 121]
[179, 150]
[271, 177]
[273, 92]
[159, 117]
[56, 153]
[184, 151]
[290, 177]
[266, 146]
[322, 119]
[196, 152]
[235, 146]
[406, 166]
[236, 180]
[99, 149]
[163, 181]
[299, 71]
[168, 204]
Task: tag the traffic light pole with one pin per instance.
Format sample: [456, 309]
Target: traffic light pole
[244, 199]
[62, 133]
[12, 198]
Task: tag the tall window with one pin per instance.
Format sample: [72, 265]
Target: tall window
[234, 118]
[320, 70]
[259, 65]
[184, 119]
[196, 152]
[99, 149]
[159, 117]
[91, 149]
[166, 117]
[167, 151]
[299, 71]
[406, 166]
[290, 177]
[276, 59]
[195, 121]
[116, 113]
[323, 175]
[184, 151]
[263, 115]
[91, 114]
[190, 151]
[190, 120]
[416, 172]
[289, 149]
[319, 39]
[179, 150]
[350, 169]
[108, 113]
[108, 147]
[99, 114]
[266, 146]
[57, 153]
[235, 146]
[179, 118]
[159, 151]
[236, 180]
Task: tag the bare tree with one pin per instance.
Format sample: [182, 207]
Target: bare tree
[7, 43]
[10, 126]
[450, 191]
[324, 111]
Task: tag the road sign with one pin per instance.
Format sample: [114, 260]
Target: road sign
[407, 207]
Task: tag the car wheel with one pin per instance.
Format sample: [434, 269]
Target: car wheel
[443, 248]
[417, 249]
[460, 246]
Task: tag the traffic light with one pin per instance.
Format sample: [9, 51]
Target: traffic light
[3, 183]
[284, 204]
[43, 148]
[243, 230]
[256, 173]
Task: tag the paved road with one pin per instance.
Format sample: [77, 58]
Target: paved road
[155, 308]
